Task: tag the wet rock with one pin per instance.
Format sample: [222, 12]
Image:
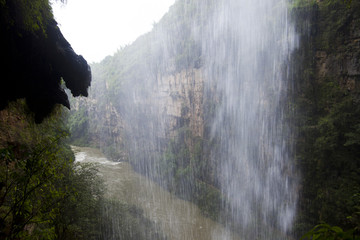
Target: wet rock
[34, 62]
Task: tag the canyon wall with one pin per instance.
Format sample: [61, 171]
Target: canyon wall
[326, 112]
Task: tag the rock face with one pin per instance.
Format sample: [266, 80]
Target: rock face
[181, 97]
[178, 98]
[338, 41]
[36, 57]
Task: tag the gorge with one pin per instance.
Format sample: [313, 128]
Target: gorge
[244, 113]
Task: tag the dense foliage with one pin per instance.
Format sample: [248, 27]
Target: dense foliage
[185, 171]
[78, 123]
[43, 193]
[326, 232]
[327, 113]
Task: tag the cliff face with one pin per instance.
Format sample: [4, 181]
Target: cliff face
[326, 93]
[337, 42]
[178, 99]
[181, 99]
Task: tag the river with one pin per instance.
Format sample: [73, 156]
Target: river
[176, 218]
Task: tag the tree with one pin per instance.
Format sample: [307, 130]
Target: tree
[43, 193]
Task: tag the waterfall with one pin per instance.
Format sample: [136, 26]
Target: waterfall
[199, 105]
[246, 47]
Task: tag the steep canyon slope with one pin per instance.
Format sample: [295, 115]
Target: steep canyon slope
[326, 103]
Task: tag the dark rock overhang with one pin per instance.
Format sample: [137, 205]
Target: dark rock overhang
[34, 63]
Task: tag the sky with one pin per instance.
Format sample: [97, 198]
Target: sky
[97, 28]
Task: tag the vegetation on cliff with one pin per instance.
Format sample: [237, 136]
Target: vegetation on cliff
[326, 93]
[43, 193]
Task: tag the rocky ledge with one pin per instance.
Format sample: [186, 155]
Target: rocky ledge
[36, 58]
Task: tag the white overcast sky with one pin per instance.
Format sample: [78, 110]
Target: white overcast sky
[97, 28]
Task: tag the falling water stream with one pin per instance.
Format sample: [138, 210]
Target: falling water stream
[242, 51]
[160, 206]
[246, 50]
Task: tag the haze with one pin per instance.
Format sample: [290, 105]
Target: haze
[97, 28]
